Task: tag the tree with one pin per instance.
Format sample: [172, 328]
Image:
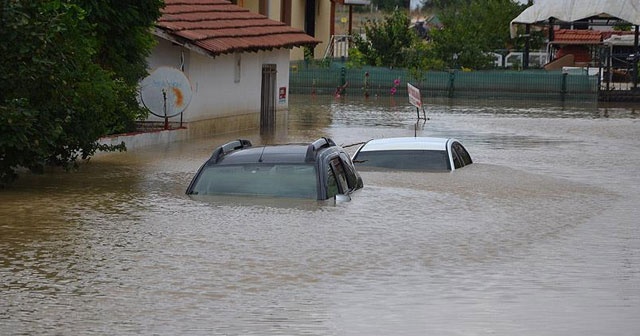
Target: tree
[472, 29]
[55, 99]
[393, 43]
[123, 45]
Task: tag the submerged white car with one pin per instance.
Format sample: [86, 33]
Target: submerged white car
[413, 153]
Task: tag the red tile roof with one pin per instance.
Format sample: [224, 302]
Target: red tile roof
[219, 27]
[576, 36]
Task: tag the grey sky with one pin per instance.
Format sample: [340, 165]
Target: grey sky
[416, 3]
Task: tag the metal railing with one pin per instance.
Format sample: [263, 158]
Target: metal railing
[338, 47]
[490, 84]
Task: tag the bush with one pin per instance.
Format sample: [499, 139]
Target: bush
[55, 101]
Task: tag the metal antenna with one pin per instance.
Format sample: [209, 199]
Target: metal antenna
[261, 153]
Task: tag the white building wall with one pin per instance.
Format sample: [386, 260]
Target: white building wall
[217, 90]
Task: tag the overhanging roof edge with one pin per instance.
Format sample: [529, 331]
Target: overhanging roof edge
[182, 42]
[571, 11]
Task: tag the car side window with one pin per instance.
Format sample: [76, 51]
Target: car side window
[464, 155]
[350, 172]
[457, 162]
[465, 158]
[339, 173]
[332, 184]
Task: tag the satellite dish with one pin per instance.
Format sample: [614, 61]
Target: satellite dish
[166, 92]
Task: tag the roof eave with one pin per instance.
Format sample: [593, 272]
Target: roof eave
[162, 33]
[186, 43]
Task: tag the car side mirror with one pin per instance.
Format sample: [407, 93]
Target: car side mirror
[340, 198]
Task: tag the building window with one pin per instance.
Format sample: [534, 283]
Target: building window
[237, 67]
[285, 12]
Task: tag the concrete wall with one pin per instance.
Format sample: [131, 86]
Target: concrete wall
[323, 21]
[323, 26]
[226, 89]
[273, 7]
[136, 141]
[206, 128]
[297, 21]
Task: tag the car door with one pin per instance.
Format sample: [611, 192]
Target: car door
[332, 188]
[337, 167]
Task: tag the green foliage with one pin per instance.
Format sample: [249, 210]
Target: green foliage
[421, 58]
[356, 58]
[27, 137]
[308, 53]
[121, 31]
[390, 43]
[622, 26]
[55, 100]
[122, 34]
[472, 28]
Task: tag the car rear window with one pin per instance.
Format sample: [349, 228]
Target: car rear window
[280, 180]
[404, 159]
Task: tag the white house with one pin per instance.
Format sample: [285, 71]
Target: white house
[236, 61]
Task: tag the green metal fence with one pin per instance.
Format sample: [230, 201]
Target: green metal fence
[491, 84]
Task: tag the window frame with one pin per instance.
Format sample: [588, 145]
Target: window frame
[465, 157]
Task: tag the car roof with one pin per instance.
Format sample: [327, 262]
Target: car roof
[290, 153]
[407, 143]
[242, 152]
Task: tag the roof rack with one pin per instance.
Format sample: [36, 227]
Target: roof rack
[315, 146]
[221, 151]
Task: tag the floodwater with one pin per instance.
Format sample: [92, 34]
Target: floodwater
[540, 236]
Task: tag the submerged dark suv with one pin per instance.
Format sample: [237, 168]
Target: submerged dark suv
[319, 170]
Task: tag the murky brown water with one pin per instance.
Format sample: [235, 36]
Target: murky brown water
[539, 237]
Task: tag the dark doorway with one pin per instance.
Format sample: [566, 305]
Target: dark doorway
[268, 99]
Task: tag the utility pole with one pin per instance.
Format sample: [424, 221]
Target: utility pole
[527, 44]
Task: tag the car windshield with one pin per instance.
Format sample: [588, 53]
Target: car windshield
[280, 180]
[404, 159]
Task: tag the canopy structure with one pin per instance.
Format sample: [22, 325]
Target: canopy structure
[582, 15]
[575, 10]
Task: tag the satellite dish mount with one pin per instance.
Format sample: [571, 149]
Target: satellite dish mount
[166, 93]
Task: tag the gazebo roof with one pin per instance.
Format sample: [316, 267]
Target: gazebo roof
[571, 11]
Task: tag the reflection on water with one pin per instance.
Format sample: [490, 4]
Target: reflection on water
[538, 237]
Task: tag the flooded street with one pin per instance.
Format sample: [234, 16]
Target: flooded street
[540, 236]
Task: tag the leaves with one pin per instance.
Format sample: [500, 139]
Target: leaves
[471, 29]
[388, 41]
[63, 81]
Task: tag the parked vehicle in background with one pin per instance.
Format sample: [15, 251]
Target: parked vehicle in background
[413, 153]
[319, 170]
